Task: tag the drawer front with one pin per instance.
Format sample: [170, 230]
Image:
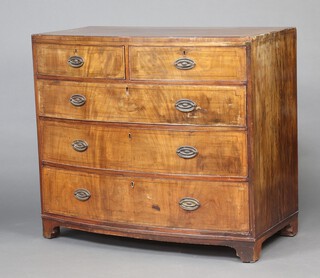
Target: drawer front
[142, 201]
[188, 64]
[81, 61]
[201, 105]
[218, 153]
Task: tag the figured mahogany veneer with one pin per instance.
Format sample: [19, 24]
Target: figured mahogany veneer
[220, 153]
[145, 201]
[174, 134]
[211, 63]
[149, 104]
[98, 62]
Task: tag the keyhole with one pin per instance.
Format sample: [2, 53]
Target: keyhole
[75, 51]
[184, 52]
[130, 136]
[132, 184]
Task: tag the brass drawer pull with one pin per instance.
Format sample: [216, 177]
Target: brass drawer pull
[79, 145]
[184, 64]
[189, 203]
[77, 100]
[75, 61]
[82, 194]
[187, 152]
[185, 105]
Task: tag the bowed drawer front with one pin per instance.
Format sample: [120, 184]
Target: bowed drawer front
[81, 61]
[145, 201]
[188, 64]
[164, 104]
[214, 153]
[181, 135]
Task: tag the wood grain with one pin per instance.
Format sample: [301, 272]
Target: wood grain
[216, 105]
[99, 62]
[220, 153]
[212, 63]
[274, 129]
[223, 206]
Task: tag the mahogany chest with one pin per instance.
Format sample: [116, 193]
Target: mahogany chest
[173, 134]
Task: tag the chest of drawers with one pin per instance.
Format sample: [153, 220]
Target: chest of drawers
[173, 134]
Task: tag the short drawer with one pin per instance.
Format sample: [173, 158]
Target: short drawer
[218, 153]
[220, 206]
[80, 61]
[186, 105]
[188, 64]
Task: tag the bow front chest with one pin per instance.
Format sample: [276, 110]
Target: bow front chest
[173, 134]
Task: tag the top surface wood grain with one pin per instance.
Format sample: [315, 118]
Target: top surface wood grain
[184, 32]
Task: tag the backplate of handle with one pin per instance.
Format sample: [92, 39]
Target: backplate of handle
[189, 204]
[185, 105]
[79, 145]
[82, 194]
[77, 100]
[184, 64]
[187, 152]
[75, 61]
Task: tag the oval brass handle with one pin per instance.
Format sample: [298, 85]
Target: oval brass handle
[189, 203]
[187, 152]
[79, 145]
[185, 105]
[77, 100]
[75, 61]
[184, 64]
[82, 194]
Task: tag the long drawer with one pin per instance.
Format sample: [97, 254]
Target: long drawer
[213, 152]
[80, 61]
[187, 63]
[166, 104]
[142, 201]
